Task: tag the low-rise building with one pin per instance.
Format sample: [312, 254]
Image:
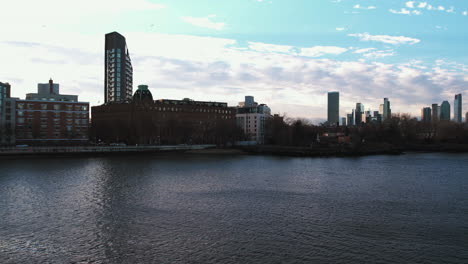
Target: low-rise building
[48, 117]
[251, 117]
[164, 121]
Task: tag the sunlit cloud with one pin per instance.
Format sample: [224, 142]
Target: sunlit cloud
[394, 40]
[204, 22]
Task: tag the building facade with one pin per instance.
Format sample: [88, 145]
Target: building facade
[358, 113]
[118, 76]
[457, 111]
[426, 115]
[251, 118]
[435, 113]
[6, 115]
[350, 119]
[164, 121]
[386, 111]
[333, 108]
[445, 111]
[48, 117]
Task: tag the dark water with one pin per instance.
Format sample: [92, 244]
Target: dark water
[243, 209]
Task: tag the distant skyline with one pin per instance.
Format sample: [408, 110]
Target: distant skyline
[287, 54]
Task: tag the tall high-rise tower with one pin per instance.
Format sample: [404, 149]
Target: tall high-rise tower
[445, 111]
[435, 113]
[118, 75]
[387, 112]
[333, 108]
[426, 115]
[358, 114]
[457, 111]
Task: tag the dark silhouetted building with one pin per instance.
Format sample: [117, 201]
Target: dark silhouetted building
[143, 94]
[445, 111]
[6, 115]
[118, 75]
[457, 111]
[333, 108]
[350, 119]
[426, 115]
[387, 111]
[435, 113]
[163, 121]
[358, 113]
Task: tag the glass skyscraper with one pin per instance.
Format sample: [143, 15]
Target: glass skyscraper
[445, 111]
[118, 76]
[387, 112]
[358, 114]
[457, 111]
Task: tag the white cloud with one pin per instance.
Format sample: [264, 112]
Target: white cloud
[421, 5]
[394, 40]
[263, 47]
[465, 13]
[319, 51]
[410, 4]
[405, 11]
[379, 54]
[204, 22]
[340, 29]
[359, 51]
[364, 7]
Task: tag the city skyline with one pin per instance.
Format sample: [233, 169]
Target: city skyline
[178, 55]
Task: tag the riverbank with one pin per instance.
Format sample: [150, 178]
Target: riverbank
[349, 151]
[96, 150]
[323, 151]
[314, 151]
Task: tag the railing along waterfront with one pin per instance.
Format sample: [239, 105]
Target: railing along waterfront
[99, 149]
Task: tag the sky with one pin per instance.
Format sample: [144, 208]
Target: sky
[286, 53]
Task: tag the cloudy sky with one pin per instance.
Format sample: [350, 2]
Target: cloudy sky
[286, 53]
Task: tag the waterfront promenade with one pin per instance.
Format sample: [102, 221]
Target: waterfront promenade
[30, 151]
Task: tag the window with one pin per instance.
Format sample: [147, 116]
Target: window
[20, 120]
[69, 107]
[56, 107]
[44, 106]
[20, 106]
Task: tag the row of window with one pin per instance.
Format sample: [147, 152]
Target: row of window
[54, 107]
[198, 110]
[22, 120]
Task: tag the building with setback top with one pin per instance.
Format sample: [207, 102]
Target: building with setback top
[118, 70]
[251, 118]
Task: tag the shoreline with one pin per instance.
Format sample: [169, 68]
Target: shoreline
[316, 151]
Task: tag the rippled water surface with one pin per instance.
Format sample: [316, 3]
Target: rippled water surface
[242, 209]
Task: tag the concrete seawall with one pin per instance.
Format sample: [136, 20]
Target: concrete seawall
[31, 151]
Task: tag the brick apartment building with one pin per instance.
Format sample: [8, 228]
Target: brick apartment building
[144, 121]
[48, 117]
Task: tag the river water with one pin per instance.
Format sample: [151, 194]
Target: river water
[235, 209]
